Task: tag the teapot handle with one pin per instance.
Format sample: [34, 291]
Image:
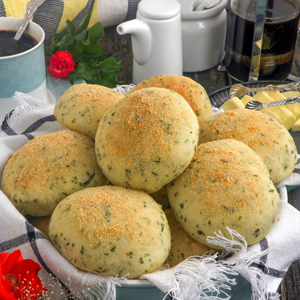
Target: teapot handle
[141, 38]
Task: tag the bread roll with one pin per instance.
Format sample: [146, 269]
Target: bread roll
[226, 185]
[82, 106]
[189, 89]
[147, 139]
[111, 231]
[182, 245]
[48, 168]
[266, 136]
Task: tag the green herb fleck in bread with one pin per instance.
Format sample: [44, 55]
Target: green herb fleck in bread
[226, 185]
[111, 231]
[48, 168]
[82, 106]
[263, 134]
[146, 139]
[189, 89]
[182, 245]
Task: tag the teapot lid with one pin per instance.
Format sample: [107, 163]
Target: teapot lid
[159, 9]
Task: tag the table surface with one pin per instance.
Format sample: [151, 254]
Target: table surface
[212, 80]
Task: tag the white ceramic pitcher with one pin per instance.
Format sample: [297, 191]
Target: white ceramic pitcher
[203, 36]
[156, 39]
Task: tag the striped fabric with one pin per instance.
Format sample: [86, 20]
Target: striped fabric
[53, 14]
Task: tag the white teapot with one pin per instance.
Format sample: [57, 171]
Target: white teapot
[156, 39]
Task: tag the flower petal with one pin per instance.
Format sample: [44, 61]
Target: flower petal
[6, 289]
[61, 64]
[29, 286]
[10, 260]
[3, 259]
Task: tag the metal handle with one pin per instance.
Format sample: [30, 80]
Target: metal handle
[280, 87]
[261, 6]
[31, 7]
[291, 100]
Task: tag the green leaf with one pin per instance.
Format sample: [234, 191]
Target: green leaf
[52, 48]
[100, 58]
[71, 27]
[96, 79]
[80, 36]
[84, 24]
[69, 39]
[62, 44]
[89, 51]
[93, 51]
[82, 45]
[57, 36]
[82, 71]
[91, 64]
[73, 50]
[96, 33]
[110, 80]
[110, 65]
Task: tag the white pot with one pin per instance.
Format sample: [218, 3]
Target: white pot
[156, 39]
[203, 37]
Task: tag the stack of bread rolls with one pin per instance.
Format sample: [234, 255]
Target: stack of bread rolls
[140, 180]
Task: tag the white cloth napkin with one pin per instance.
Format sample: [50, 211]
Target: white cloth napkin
[264, 264]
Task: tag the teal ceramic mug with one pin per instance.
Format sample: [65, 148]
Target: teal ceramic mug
[23, 72]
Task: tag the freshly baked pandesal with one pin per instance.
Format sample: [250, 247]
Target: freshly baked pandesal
[147, 139]
[226, 185]
[266, 136]
[111, 231]
[82, 106]
[182, 245]
[190, 90]
[48, 168]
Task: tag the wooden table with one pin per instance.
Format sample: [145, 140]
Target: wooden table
[212, 80]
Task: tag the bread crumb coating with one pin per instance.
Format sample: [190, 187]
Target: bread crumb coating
[111, 231]
[82, 106]
[48, 168]
[189, 89]
[147, 139]
[226, 185]
[263, 134]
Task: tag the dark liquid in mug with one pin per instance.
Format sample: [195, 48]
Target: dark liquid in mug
[9, 46]
[279, 38]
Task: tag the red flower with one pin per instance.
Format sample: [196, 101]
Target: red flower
[61, 64]
[18, 278]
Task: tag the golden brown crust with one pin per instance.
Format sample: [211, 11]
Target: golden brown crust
[267, 137]
[111, 231]
[82, 106]
[147, 139]
[182, 245]
[226, 185]
[190, 90]
[48, 168]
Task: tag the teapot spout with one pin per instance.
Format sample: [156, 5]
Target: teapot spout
[141, 38]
